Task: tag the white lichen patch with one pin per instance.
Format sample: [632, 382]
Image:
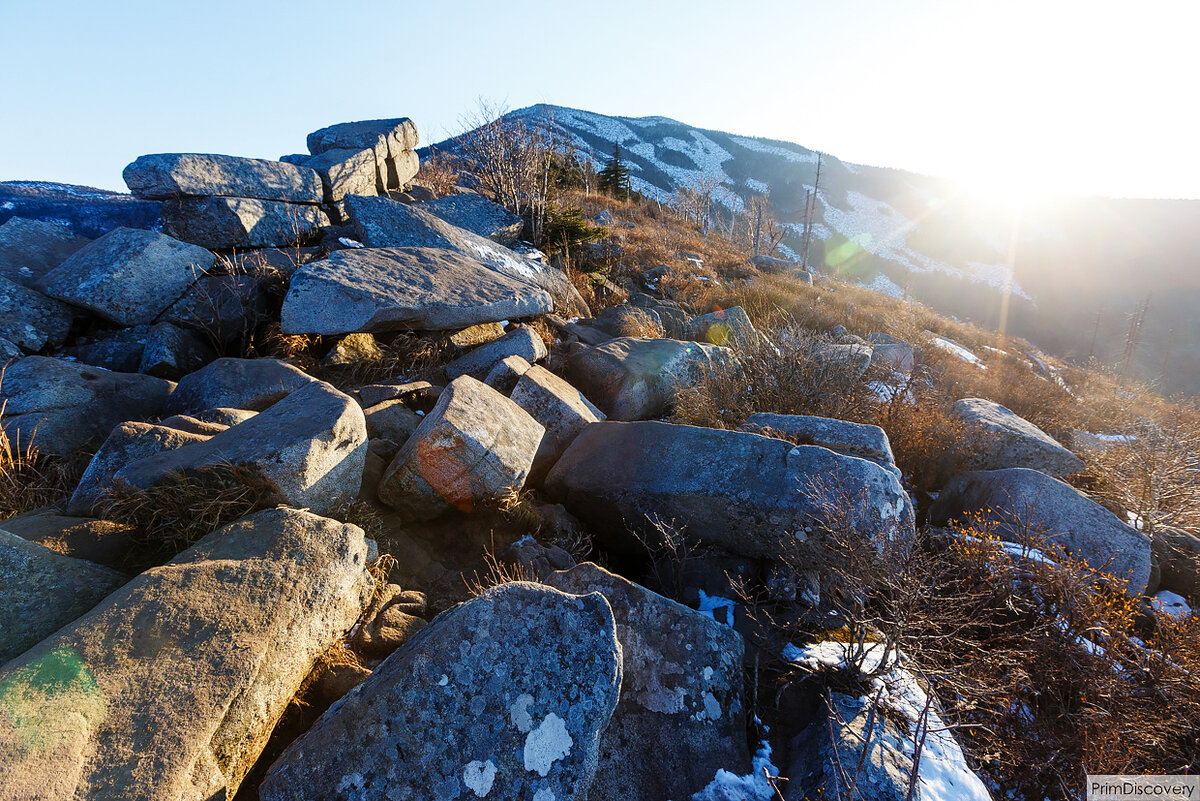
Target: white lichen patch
[479, 776]
[444, 680]
[544, 794]
[518, 713]
[547, 744]
[712, 708]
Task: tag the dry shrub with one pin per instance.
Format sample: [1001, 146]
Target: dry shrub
[184, 507]
[270, 342]
[30, 480]
[406, 356]
[785, 378]
[637, 322]
[495, 573]
[438, 174]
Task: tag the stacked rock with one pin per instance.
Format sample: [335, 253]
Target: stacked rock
[369, 157]
[222, 202]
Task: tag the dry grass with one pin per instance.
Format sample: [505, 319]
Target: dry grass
[30, 480]
[183, 508]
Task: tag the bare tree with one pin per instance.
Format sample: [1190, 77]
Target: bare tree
[810, 211]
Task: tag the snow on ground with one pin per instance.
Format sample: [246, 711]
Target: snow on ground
[1174, 605]
[709, 604]
[727, 786]
[880, 229]
[952, 347]
[943, 772]
[756, 185]
[775, 150]
[887, 286]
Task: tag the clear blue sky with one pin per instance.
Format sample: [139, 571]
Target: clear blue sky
[1090, 97]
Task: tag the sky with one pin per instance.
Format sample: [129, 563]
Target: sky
[1015, 97]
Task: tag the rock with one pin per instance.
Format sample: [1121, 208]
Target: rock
[739, 491]
[388, 289]
[391, 420]
[769, 264]
[100, 541]
[801, 275]
[633, 378]
[238, 222]
[167, 176]
[238, 620]
[31, 248]
[120, 351]
[724, 327]
[192, 425]
[397, 135]
[128, 277]
[488, 700]
[997, 439]
[855, 359]
[30, 319]
[374, 394]
[172, 352]
[625, 321]
[477, 214]
[382, 223]
[309, 448]
[1022, 501]
[559, 407]
[674, 318]
[853, 439]
[127, 443]
[353, 349]
[9, 351]
[505, 373]
[477, 335]
[522, 341]
[44, 591]
[345, 172]
[402, 169]
[72, 406]
[221, 307]
[537, 560]
[681, 683]
[475, 445]
[392, 619]
[252, 384]
[224, 416]
[898, 356]
[1177, 554]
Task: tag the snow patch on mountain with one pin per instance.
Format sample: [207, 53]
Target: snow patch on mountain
[806, 157]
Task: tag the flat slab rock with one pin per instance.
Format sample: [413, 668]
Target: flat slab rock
[478, 215]
[854, 439]
[505, 697]
[681, 684]
[44, 591]
[231, 383]
[165, 176]
[30, 319]
[387, 289]
[31, 248]
[170, 687]
[239, 222]
[999, 438]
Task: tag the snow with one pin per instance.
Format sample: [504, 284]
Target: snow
[958, 350]
[755, 185]
[1116, 438]
[755, 786]
[350, 243]
[886, 285]
[943, 772]
[8, 205]
[794, 156]
[1172, 604]
[709, 604]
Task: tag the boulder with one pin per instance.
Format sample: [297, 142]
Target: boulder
[353, 349]
[31, 248]
[522, 341]
[224, 416]
[391, 419]
[622, 320]
[632, 378]
[387, 289]
[170, 687]
[192, 425]
[505, 697]
[128, 277]
[505, 373]
[9, 351]
[898, 356]
[309, 448]
[1022, 502]
[997, 439]
[1177, 554]
[167, 176]
[44, 591]
[30, 319]
[852, 439]
[120, 351]
[724, 327]
[398, 134]
[252, 384]
[171, 352]
[743, 492]
[475, 445]
[853, 358]
[127, 443]
[72, 406]
[402, 169]
[480, 334]
[382, 223]
[681, 683]
[769, 264]
[345, 172]
[100, 541]
[238, 222]
[559, 407]
[477, 214]
[221, 307]
[374, 394]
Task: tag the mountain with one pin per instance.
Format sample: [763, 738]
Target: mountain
[1081, 267]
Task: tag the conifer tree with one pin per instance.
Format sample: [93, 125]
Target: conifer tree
[614, 178]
